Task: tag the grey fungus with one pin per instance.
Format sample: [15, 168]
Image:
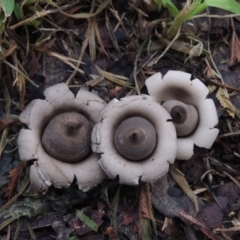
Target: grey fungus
[135, 139]
[67, 137]
[184, 117]
[54, 165]
[178, 86]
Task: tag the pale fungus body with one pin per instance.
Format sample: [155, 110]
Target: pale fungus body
[135, 139]
[184, 116]
[199, 113]
[58, 138]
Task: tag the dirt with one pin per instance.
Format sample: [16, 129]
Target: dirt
[122, 39]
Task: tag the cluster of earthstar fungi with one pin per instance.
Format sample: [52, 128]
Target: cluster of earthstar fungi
[135, 138]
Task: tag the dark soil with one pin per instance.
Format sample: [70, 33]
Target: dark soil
[125, 39]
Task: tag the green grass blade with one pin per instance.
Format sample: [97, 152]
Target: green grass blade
[8, 221]
[85, 219]
[201, 7]
[159, 4]
[167, 4]
[171, 7]
[1, 23]
[17, 11]
[229, 5]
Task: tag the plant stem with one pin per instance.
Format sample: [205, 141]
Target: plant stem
[180, 19]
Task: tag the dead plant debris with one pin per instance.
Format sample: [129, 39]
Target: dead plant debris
[110, 48]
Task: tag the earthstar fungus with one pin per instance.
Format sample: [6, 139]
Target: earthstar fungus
[59, 138]
[135, 139]
[191, 96]
[184, 116]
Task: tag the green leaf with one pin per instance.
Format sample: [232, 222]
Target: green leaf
[167, 4]
[7, 6]
[85, 219]
[146, 229]
[158, 3]
[171, 7]
[229, 5]
[1, 23]
[72, 238]
[17, 11]
[200, 8]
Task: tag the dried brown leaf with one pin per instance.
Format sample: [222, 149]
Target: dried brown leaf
[120, 80]
[223, 97]
[20, 80]
[97, 32]
[235, 47]
[212, 215]
[100, 8]
[181, 181]
[13, 179]
[146, 205]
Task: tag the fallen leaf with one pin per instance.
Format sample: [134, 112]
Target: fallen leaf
[14, 176]
[182, 182]
[211, 215]
[229, 190]
[223, 97]
[235, 47]
[161, 201]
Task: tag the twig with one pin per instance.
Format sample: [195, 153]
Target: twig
[219, 84]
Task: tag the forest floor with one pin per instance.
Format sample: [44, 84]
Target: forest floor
[110, 48]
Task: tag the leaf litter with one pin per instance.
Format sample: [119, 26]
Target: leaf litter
[109, 48]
